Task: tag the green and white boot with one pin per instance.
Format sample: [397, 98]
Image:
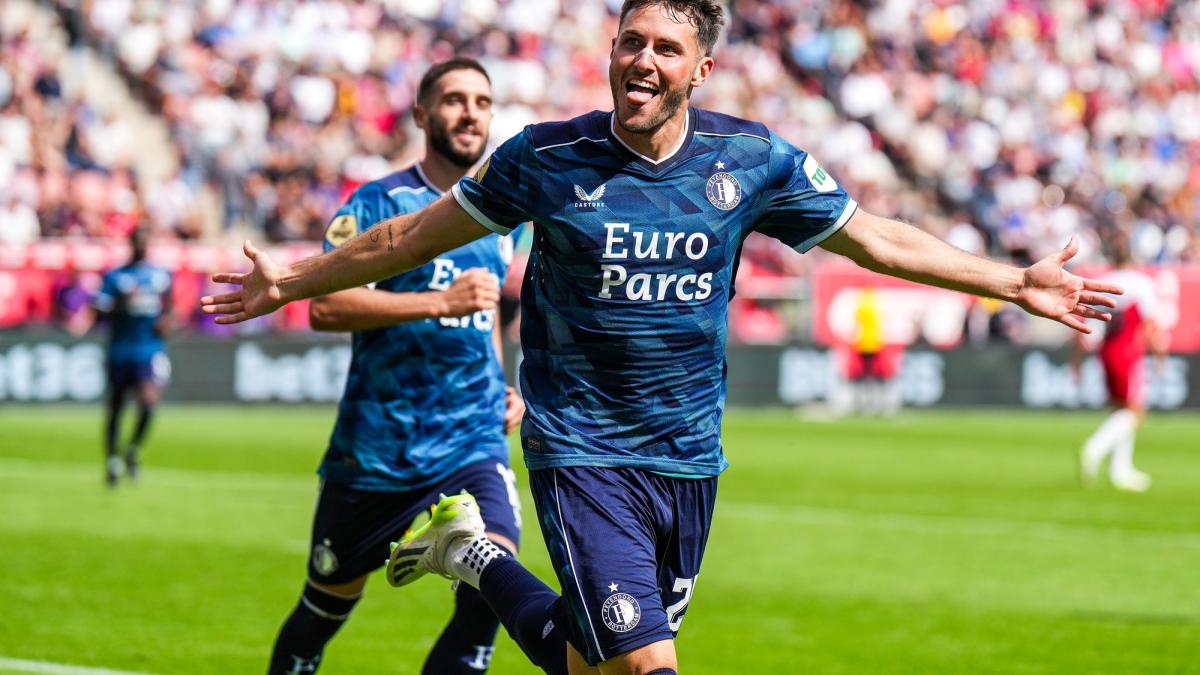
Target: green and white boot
[452, 545]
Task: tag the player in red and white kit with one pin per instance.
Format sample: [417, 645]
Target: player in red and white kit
[1133, 329]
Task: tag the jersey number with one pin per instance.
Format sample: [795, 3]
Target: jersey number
[675, 612]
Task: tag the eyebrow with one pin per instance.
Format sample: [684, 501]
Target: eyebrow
[463, 94]
[663, 40]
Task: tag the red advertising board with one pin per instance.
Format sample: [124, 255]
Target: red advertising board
[938, 316]
[33, 276]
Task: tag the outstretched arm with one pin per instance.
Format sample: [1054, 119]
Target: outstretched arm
[359, 309]
[1044, 288]
[393, 246]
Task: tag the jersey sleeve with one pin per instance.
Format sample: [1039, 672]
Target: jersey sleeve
[501, 194]
[368, 205]
[804, 204]
[106, 298]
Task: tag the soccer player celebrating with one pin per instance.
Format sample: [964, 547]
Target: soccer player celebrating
[136, 300]
[425, 408]
[639, 216]
[1122, 352]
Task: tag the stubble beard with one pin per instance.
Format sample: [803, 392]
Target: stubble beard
[672, 99]
[439, 138]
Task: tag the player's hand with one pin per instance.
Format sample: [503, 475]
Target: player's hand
[259, 293]
[1049, 290]
[514, 409]
[473, 290]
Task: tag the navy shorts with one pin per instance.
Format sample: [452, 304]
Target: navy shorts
[626, 545]
[352, 528]
[125, 374]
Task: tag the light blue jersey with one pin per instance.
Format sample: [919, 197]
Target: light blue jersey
[625, 300]
[134, 297]
[423, 398]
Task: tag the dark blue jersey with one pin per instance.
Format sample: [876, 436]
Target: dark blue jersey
[423, 398]
[134, 298]
[625, 300]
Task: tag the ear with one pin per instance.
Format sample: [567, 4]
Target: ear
[420, 117]
[702, 71]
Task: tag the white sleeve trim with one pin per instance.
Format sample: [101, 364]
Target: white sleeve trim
[475, 213]
[850, 208]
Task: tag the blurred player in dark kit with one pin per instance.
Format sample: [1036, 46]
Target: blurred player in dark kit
[135, 299]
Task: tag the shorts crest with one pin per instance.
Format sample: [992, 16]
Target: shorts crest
[621, 612]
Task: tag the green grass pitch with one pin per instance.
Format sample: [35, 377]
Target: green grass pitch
[947, 542]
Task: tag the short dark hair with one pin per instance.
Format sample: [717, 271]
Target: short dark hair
[436, 72]
[706, 15]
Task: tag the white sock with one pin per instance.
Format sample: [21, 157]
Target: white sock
[471, 556]
[1119, 425]
[1122, 459]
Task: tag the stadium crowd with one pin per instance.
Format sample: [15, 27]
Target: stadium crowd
[1003, 126]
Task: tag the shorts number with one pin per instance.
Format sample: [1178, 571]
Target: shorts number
[675, 611]
[514, 497]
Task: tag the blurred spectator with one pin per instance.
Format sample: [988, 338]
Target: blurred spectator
[1004, 126]
[18, 220]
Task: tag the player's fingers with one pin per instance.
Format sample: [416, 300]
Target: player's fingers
[482, 274]
[1077, 323]
[227, 308]
[224, 297]
[249, 250]
[1102, 286]
[475, 274]
[1089, 313]
[228, 278]
[1090, 298]
[1069, 250]
[232, 318]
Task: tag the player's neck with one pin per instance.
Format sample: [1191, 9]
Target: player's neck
[439, 171]
[659, 144]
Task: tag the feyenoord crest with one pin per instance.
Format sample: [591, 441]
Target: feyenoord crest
[724, 191]
[621, 612]
[324, 560]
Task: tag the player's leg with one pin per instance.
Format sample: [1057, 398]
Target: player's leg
[605, 530]
[682, 512]
[312, 624]
[1122, 473]
[1116, 429]
[350, 534]
[600, 542]
[114, 402]
[151, 379]
[468, 640]
[454, 544]
[148, 395]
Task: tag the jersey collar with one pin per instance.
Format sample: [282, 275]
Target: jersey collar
[645, 162]
[425, 179]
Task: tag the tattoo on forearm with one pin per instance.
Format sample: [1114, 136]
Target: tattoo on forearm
[389, 237]
[375, 234]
